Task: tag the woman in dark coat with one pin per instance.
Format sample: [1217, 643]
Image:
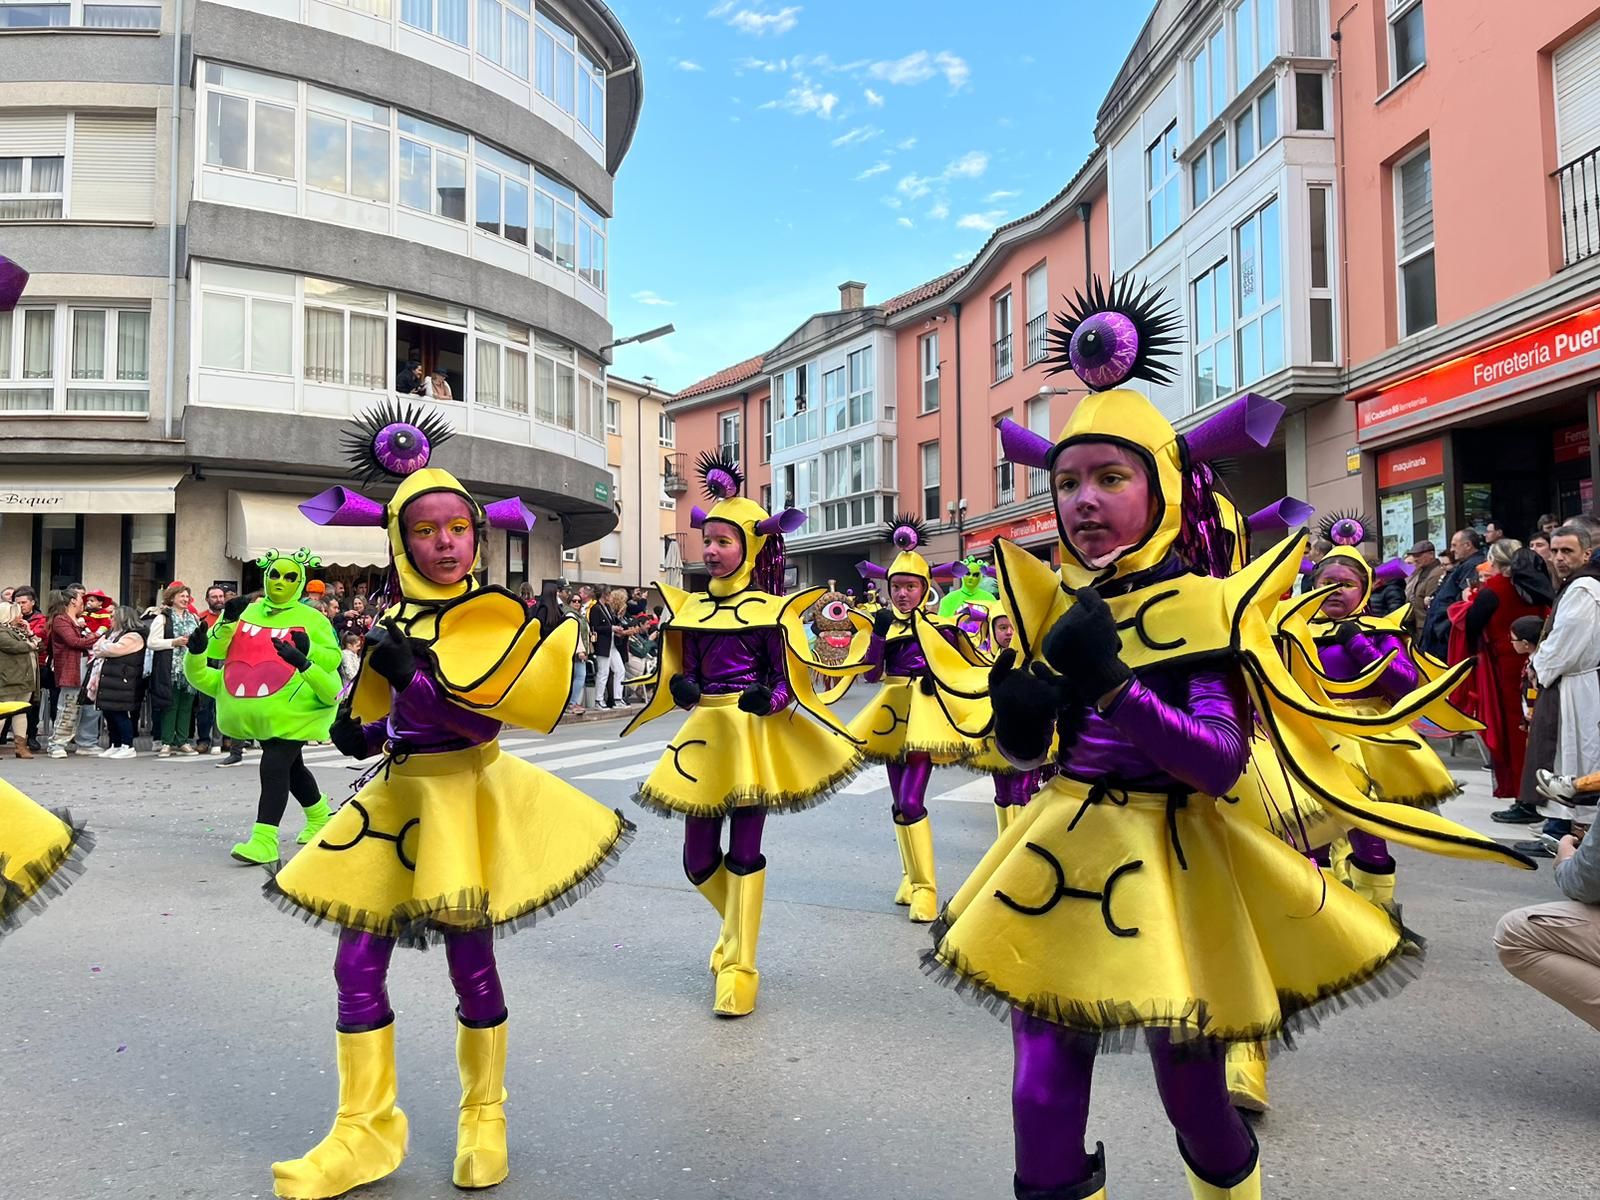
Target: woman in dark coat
[1518, 586]
[119, 667]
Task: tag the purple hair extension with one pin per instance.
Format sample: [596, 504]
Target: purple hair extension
[1204, 542]
[768, 572]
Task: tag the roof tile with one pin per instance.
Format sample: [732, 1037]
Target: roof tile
[726, 377]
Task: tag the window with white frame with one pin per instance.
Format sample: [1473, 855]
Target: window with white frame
[433, 168]
[591, 413]
[1162, 204]
[82, 14]
[346, 335]
[591, 88]
[1209, 171]
[1213, 335]
[555, 221]
[501, 375]
[501, 185]
[555, 383]
[503, 34]
[1036, 286]
[1208, 78]
[613, 415]
[1310, 108]
[378, 8]
[347, 142]
[1001, 309]
[611, 548]
[848, 474]
[1413, 194]
[247, 321]
[1256, 128]
[731, 444]
[1258, 251]
[591, 245]
[860, 384]
[929, 453]
[766, 430]
[33, 187]
[833, 401]
[442, 18]
[667, 429]
[1038, 414]
[250, 121]
[1407, 53]
[1005, 471]
[569, 556]
[555, 62]
[74, 358]
[928, 356]
[1255, 39]
[1321, 294]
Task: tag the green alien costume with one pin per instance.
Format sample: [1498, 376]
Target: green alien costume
[273, 669]
[971, 591]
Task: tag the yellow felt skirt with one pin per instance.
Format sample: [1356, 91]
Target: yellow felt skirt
[442, 843]
[902, 720]
[1398, 767]
[724, 758]
[1269, 796]
[41, 853]
[1129, 912]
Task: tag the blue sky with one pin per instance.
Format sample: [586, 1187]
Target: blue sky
[785, 148]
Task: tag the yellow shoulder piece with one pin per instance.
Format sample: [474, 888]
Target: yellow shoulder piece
[731, 614]
[1031, 592]
[493, 659]
[370, 697]
[668, 663]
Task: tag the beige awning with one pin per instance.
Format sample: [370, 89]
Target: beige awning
[89, 488]
[262, 521]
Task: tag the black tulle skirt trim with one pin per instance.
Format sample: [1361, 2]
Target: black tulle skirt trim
[418, 924]
[27, 888]
[664, 805]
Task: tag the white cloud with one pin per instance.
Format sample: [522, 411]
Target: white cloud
[759, 24]
[996, 197]
[874, 99]
[892, 201]
[877, 168]
[904, 222]
[805, 100]
[920, 66]
[969, 166]
[650, 298]
[939, 211]
[722, 9]
[861, 133]
[685, 64]
[915, 187]
[983, 222]
[909, 143]
[769, 66]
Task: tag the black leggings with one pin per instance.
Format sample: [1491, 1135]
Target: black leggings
[283, 771]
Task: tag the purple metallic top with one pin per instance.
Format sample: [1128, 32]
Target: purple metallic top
[422, 720]
[1349, 660]
[900, 655]
[725, 664]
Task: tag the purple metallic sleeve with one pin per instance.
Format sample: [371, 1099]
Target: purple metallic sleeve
[777, 670]
[1201, 744]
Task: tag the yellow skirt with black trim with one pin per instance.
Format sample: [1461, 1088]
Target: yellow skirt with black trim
[1269, 796]
[1398, 767]
[41, 854]
[444, 843]
[1113, 914]
[902, 720]
[724, 758]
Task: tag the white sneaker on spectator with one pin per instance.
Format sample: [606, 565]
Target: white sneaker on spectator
[1556, 787]
[121, 752]
[187, 749]
[88, 750]
[58, 752]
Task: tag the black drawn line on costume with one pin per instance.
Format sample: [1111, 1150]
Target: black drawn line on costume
[1064, 891]
[1175, 802]
[895, 721]
[367, 831]
[729, 604]
[1136, 622]
[678, 749]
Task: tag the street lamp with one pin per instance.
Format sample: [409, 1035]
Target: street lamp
[648, 335]
[1047, 390]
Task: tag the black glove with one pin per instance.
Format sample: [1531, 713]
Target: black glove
[1025, 704]
[347, 737]
[1345, 632]
[198, 639]
[391, 655]
[685, 692]
[926, 683]
[292, 649]
[756, 699]
[881, 620]
[1085, 648]
[233, 609]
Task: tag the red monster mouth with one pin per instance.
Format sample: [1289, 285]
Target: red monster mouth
[841, 640]
[253, 669]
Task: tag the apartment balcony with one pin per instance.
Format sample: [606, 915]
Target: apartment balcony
[673, 480]
[1002, 359]
[1579, 185]
[1005, 484]
[1038, 481]
[1038, 343]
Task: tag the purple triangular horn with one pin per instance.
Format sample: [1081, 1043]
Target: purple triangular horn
[1280, 517]
[949, 570]
[697, 517]
[1241, 428]
[510, 513]
[341, 506]
[787, 521]
[871, 570]
[12, 280]
[1393, 569]
[1023, 446]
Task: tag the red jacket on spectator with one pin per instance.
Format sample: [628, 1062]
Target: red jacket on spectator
[39, 627]
[67, 644]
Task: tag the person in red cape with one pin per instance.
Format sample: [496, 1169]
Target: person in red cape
[1518, 585]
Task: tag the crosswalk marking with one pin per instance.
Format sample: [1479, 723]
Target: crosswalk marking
[872, 779]
[583, 760]
[976, 791]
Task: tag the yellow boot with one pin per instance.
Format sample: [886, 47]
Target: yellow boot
[481, 1158]
[1247, 1079]
[1245, 1185]
[1002, 820]
[902, 895]
[919, 869]
[738, 980]
[715, 889]
[369, 1135]
[1376, 887]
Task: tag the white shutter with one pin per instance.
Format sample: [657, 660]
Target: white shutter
[1416, 203]
[114, 167]
[1128, 191]
[1577, 87]
[25, 131]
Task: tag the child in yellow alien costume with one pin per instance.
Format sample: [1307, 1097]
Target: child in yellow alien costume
[1126, 905]
[449, 839]
[735, 656]
[41, 852]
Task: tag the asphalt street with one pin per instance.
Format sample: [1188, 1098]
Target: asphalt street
[169, 1033]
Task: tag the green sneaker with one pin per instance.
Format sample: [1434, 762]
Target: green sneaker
[262, 848]
[316, 817]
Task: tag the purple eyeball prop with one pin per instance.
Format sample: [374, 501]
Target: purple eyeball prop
[905, 537]
[401, 448]
[721, 484]
[1347, 531]
[1103, 350]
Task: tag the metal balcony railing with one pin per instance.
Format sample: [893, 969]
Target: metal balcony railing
[1005, 483]
[1002, 358]
[673, 480]
[1038, 481]
[1037, 343]
[1579, 185]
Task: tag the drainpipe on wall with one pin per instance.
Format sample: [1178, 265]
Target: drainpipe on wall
[172, 217]
[1084, 211]
[955, 309]
[1339, 144]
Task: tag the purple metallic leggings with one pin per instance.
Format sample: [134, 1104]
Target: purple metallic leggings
[908, 786]
[1050, 1103]
[1369, 851]
[702, 843]
[1015, 788]
[361, 969]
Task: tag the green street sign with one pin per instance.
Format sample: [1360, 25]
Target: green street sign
[602, 491]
